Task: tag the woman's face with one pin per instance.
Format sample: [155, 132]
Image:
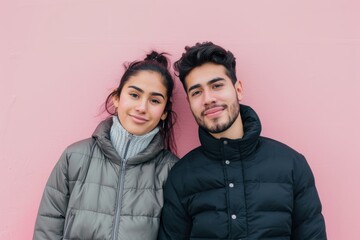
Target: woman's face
[142, 102]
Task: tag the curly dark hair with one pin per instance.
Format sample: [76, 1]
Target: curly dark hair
[202, 53]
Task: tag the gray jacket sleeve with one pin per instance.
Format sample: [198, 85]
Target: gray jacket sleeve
[51, 215]
[308, 221]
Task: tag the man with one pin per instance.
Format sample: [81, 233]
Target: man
[237, 184]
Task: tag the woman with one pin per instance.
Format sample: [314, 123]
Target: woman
[110, 186]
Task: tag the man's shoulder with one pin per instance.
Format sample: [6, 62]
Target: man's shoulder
[189, 159]
[194, 153]
[276, 145]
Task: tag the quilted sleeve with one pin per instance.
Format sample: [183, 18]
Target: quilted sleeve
[308, 221]
[51, 215]
[175, 223]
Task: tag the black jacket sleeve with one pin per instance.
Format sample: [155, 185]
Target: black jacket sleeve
[175, 222]
[308, 221]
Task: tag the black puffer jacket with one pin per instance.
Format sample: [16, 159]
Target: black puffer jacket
[250, 188]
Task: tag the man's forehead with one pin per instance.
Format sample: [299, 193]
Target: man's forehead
[206, 72]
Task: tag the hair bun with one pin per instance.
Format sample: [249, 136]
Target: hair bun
[158, 57]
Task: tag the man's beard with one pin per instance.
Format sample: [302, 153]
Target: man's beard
[215, 127]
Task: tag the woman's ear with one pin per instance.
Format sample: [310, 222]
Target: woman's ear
[115, 100]
[163, 116]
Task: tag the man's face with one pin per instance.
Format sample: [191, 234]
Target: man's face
[214, 100]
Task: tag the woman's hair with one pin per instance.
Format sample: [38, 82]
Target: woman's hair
[156, 62]
[201, 53]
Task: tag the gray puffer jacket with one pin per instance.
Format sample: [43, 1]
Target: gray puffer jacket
[94, 194]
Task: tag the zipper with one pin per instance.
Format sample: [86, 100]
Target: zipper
[119, 196]
[69, 225]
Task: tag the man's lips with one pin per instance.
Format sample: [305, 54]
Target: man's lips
[213, 111]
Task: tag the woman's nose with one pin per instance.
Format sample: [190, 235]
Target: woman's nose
[141, 106]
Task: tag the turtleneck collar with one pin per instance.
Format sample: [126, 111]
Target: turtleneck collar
[126, 144]
[234, 149]
[101, 136]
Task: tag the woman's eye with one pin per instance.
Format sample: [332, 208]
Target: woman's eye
[156, 101]
[134, 95]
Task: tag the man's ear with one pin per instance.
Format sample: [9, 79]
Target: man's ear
[239, 90]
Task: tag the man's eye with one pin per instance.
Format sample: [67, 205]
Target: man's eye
[217, 85]
[195, 93]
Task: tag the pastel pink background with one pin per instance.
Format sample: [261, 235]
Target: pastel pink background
[299, 62]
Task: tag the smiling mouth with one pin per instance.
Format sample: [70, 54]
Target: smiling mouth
[213, 111]
[138, 119]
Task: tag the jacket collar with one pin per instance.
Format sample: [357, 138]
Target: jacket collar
[102, 139]
[234, 149]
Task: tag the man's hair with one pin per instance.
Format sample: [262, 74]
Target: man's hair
[202, 53]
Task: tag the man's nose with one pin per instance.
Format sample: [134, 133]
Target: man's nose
[209, 97]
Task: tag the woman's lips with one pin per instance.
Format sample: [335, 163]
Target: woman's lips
[138, 119]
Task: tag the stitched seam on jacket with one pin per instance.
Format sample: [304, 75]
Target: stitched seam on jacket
[87, 155]
[123, 215]
[55, 189]
[103, 185]
[92, 211]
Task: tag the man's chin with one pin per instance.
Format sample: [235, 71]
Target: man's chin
[214, 129]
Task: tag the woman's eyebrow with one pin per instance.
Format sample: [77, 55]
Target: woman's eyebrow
[142, 91]
[136, 88]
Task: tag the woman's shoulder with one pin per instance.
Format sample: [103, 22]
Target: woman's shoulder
[83, 146]
[167, 157]
[74, 155]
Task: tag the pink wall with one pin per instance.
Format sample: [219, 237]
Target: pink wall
[299, 62]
